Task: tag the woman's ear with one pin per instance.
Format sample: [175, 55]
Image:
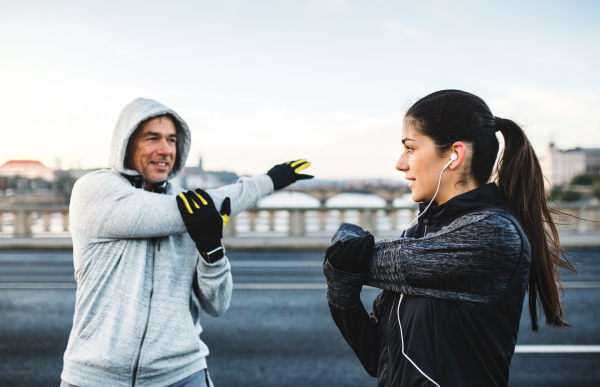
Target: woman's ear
[460, 149]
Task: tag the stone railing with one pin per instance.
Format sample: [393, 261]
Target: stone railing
[29, 220]
[53, 221]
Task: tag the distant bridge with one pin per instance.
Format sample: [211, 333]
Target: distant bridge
[322, 193]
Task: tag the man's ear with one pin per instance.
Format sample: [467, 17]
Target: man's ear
[460, 149]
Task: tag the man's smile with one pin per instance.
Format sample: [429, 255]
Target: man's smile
[160, 165]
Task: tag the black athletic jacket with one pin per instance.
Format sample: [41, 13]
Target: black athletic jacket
[456, 281]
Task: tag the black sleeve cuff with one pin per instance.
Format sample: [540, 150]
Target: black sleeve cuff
[347, 231]
[343, 289]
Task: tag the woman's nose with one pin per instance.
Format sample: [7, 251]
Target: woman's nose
[401, 164]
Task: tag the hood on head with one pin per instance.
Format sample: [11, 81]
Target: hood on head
[130, 118]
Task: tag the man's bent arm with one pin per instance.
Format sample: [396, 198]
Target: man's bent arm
[105, 205]
[213, 285]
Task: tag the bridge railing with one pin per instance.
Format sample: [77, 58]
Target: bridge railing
[32, 221]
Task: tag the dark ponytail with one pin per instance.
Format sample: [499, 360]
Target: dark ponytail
[449, 116]
[521, 185]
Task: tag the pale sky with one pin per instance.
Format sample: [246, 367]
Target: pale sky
[263, 82]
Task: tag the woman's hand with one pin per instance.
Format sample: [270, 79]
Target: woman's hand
[352, 255]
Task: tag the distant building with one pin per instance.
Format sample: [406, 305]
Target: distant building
[31, 169]
[197, 177]
[561, 166]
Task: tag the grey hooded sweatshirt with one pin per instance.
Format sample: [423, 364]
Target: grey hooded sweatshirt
[141, 284]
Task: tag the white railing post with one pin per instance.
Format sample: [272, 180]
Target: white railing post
[368, 220]
[322, 220]
[65, 221]
[297, 223]
[22, 223]
[271, 220]
[252, 220]
[46, 215]
[392, 213]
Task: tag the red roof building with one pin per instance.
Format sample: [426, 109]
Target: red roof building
[31, 169]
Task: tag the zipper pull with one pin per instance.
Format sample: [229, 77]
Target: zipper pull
[158, 244]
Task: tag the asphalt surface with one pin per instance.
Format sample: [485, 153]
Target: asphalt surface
[269, 337]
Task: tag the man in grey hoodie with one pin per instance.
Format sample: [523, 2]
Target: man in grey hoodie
[141, 282]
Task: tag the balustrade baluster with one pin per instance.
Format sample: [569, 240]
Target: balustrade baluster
[322, 220]
[271, 220]
[392, 213]
[297, 222]
[252, 217]
[65, 221]
[46, 220]
[368, 220]
[22, 223]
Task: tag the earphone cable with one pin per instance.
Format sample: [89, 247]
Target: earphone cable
[436, 192]
[402, 341]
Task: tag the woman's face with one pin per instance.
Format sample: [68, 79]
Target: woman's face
[421, 164]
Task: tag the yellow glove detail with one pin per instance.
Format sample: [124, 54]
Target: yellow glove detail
[225, 220]
[187, 204]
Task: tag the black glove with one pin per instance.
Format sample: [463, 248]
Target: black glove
[204, 222]
[353, 255]
[287, 173]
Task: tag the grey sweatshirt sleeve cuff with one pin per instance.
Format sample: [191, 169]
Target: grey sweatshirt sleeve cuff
[343, 289]
[266, 184]
[213, 269]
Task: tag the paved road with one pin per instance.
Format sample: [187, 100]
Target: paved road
[270, 336]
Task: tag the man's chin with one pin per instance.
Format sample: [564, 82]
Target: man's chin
[156, 178]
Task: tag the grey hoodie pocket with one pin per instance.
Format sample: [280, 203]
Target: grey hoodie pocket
[171, 341]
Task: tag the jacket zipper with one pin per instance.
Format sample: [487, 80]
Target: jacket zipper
[139, 354]
[388, 342]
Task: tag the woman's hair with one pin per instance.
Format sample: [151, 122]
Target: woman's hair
[448, 116]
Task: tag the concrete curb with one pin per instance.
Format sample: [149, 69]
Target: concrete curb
[577, 241]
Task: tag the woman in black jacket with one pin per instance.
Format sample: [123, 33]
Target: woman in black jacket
[453, 284]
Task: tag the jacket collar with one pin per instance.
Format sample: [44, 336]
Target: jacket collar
[138, 182]
[475, 200]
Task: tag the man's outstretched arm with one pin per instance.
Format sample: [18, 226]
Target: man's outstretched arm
[105, 205]
[246, 195]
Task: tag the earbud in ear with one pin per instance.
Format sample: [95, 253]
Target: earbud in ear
[453, 157]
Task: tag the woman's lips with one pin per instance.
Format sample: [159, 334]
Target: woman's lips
[411, 183]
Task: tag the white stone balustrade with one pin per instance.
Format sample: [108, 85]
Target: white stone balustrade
[30, 221]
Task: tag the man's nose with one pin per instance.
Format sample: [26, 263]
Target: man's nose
[164, 148]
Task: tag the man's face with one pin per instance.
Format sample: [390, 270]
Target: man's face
[152, 150]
